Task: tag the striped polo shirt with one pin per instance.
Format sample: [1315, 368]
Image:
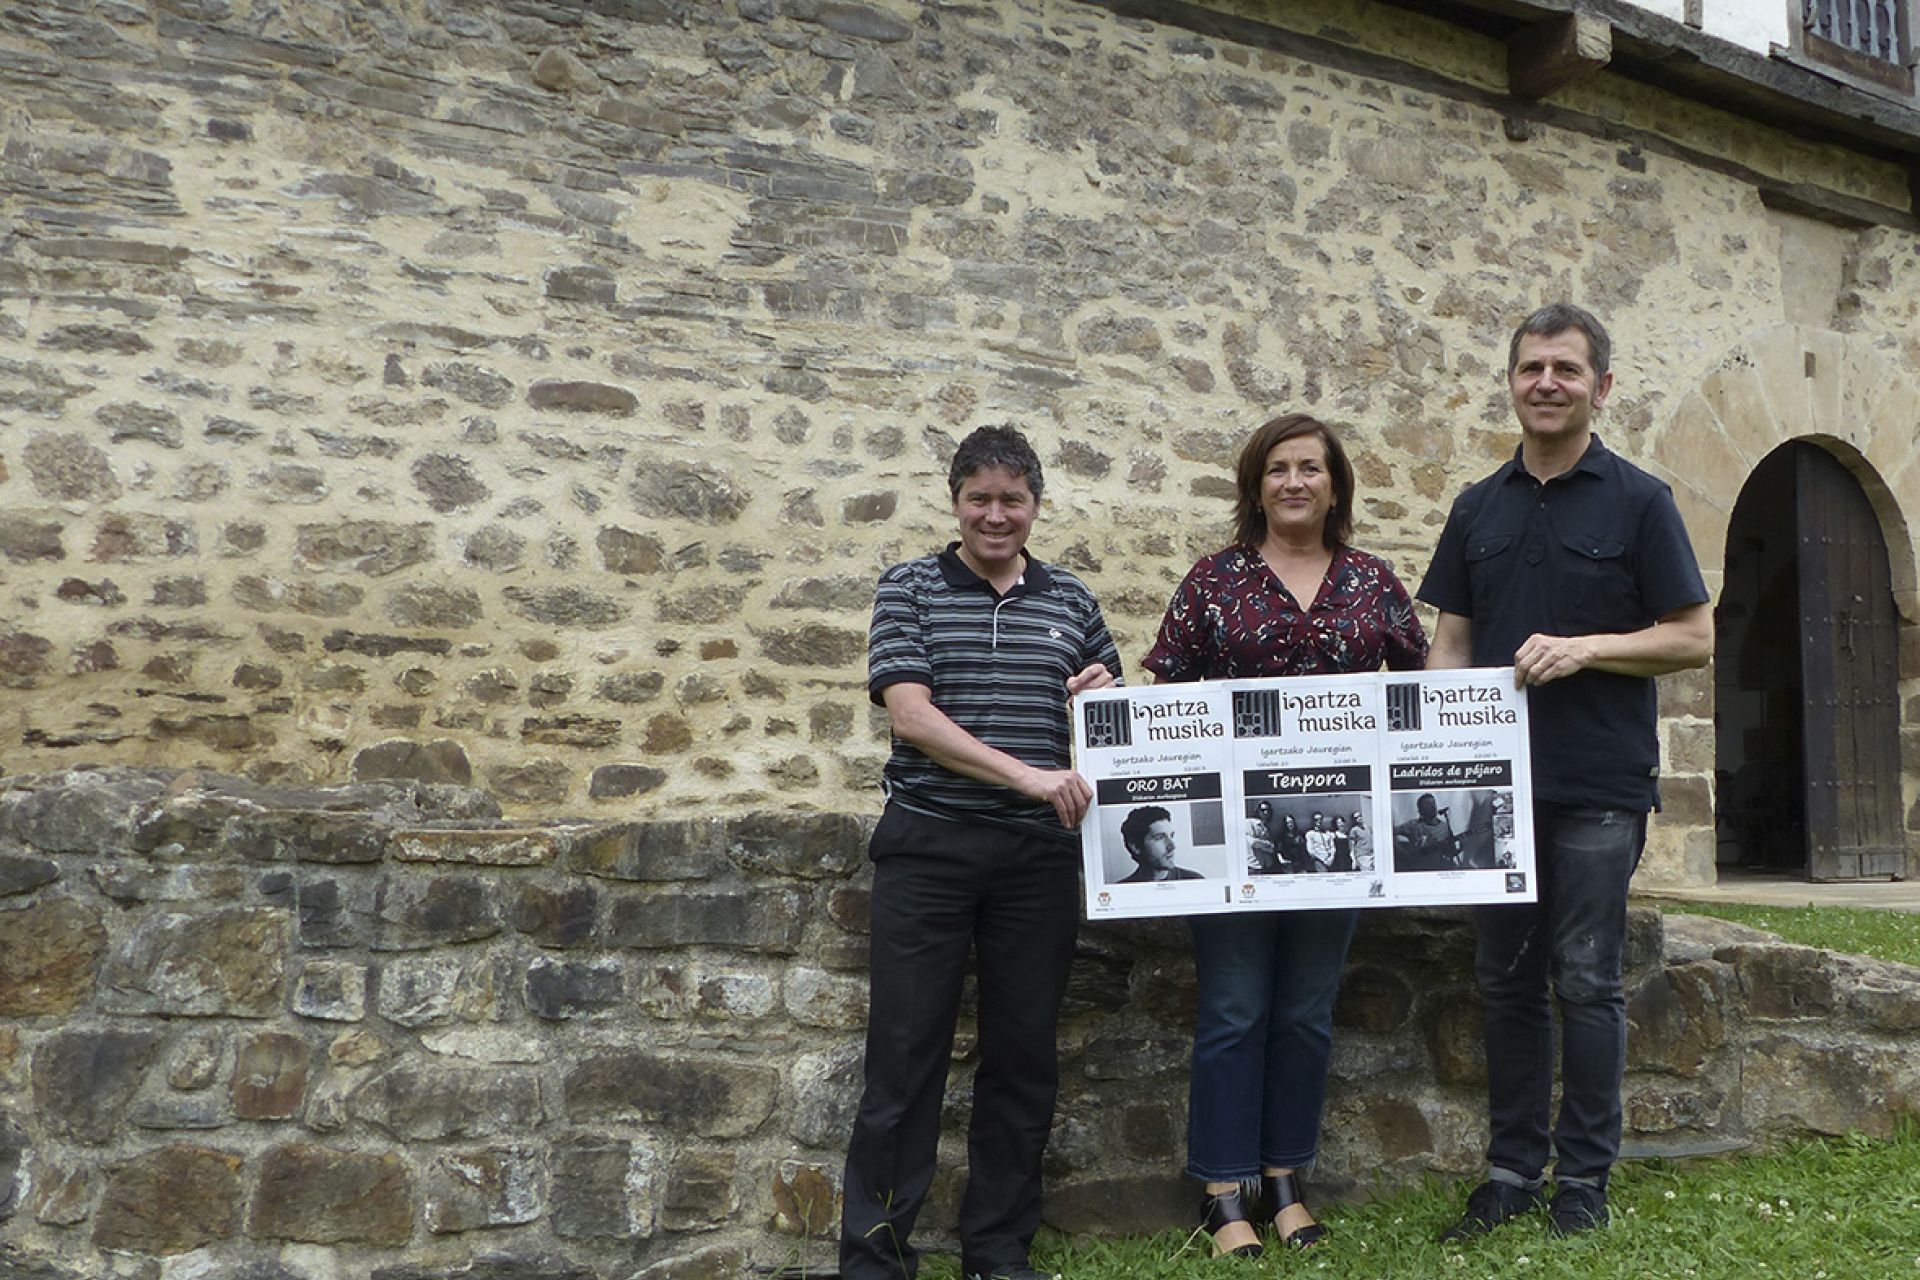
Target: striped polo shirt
[997, 666]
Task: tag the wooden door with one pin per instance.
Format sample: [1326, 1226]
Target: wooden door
[1847, 663]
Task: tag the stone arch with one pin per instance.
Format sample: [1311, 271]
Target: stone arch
[1843, 392]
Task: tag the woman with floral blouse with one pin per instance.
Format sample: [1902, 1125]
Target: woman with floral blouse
[1289, 597]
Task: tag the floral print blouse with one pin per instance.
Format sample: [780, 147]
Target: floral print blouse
[1232, 619]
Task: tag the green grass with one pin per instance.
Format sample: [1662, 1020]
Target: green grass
[1860, 931]
[1844, 1209]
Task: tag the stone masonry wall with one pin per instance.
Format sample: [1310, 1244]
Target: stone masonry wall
[528, 393]
[373, 1033]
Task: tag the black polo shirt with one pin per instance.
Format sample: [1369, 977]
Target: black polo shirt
[997, 665]
[1599, 549]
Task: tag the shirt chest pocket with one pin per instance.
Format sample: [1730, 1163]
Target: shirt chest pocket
[1490, 564]
[1594, 588]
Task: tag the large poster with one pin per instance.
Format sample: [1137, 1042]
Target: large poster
[1373, 790]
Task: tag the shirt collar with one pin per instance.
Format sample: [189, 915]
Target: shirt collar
[1592, 462]
[1033, 577]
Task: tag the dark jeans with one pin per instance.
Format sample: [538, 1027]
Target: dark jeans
[1262, 1033]
[1572, 938]
[939, 889]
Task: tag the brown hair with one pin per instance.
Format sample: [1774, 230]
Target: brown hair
[1250, 519]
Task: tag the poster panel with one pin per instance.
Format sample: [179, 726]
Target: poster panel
[1369, 790]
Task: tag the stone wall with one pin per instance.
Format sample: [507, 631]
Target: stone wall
[320, 1033]
[528, 393]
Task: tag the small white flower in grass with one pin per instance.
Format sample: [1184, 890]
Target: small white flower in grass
[1764, 1209]
[1830, 1216]
[1714, 1196]
[1670, 1195]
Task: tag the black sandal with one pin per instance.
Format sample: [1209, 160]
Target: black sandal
[1281, 1190]
[1220, 1208]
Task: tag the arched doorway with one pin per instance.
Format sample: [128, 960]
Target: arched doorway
[1806, 706]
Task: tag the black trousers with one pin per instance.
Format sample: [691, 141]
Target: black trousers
[940, 889]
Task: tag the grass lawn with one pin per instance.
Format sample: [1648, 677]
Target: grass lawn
[1860, 931]
[1845, 1209]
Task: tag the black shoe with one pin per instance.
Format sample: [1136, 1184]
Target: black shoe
[1492, 1204]
[1576, 1207]
[1281, 1190]
[1217, 1209]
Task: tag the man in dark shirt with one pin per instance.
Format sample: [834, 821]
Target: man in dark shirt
[1572, 565]
[1424, 842]
[974, 653]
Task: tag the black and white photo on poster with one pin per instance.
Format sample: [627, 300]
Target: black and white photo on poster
[1469, 830]
[1147, 839]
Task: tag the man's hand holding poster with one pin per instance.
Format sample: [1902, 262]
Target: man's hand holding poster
[1318, 791]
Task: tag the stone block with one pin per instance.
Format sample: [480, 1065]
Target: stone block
[62, 1194]
[230, 962]
[1454, 1025]
[398, 759]
[624, 551]
[766, 921]
[412, 913]
[723, 993]
[565, 606]
[64, 467]
[13, 1152]
[1666, 1107]
[712, 1097]
[698, 1192]
[270, 1076]
[25, 539]
[1885, 997]
[372, 547]
[331, 912]
[582, 397]
[570, 731]
[317, 1195]
[503, 847]
[823, 1091]
[555, 917]
[715, 1262]
[169, 1201]
[621, 781]
[699, 493]
[817, 998]
[84, 1081]
[605, 1187]
[420, 991]
[331, 991]
[561, 989]
[535, 782]
[296, 835]
[491, 1187]
[821, 846]
[425, 1102]
[1794, 1083]
[1119, 1204]
[813, 644]
[1781, 982]
[1373, 998]
[655, 851]
[1676, 1019]
[804, 1200]
[80, 813]
[49, 951]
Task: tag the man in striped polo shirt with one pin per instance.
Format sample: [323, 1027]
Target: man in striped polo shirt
[974, 653]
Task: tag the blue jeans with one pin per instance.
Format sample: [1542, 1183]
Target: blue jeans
[1572, 938]
[1261, 1037]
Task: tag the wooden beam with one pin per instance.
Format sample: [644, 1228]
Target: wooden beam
[1553, 54]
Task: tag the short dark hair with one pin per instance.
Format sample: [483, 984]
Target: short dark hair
[1250, 518]
[1001, 446]
[1559, 317]
[1135, 825]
